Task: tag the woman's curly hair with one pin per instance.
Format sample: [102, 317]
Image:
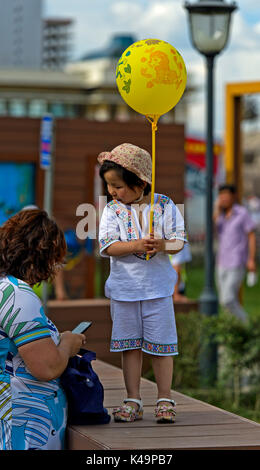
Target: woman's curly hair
[31, 246]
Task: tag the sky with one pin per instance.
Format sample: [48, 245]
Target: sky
[97, 20]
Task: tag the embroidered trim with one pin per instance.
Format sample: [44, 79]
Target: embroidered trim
[162, 200]
[106, 241]
[143, 256]
[126, 216]
[119, 344]
[156, 348]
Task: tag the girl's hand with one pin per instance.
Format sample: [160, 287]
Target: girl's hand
[140, 246]
[155, 244]
[150, 245]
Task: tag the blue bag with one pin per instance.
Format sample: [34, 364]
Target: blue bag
[84, 391]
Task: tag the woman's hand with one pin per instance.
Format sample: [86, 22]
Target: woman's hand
[73, 341]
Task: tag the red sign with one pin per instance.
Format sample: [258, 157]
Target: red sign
[196, 153]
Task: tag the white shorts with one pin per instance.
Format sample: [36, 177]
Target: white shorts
[144, 324]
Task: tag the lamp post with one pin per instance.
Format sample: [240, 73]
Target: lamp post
[209, 22]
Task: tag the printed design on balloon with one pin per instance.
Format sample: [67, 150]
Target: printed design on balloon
[125, 69]
[152, 41]
[142, 43]
[157, 69]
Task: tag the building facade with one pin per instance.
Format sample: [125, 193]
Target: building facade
[27, 40]
[34, 92]
[56, 42]
[21, 33]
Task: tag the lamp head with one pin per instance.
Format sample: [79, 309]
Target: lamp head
[209, 22]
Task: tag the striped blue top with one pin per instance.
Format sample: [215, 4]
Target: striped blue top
[32, 413]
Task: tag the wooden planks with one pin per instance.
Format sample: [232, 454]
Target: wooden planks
[198, 426]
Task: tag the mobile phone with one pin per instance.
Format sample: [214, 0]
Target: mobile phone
[82, 327]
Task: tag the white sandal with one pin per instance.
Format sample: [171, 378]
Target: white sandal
[133, 414]
[160, 409]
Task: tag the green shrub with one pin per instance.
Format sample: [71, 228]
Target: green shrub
[186, 364]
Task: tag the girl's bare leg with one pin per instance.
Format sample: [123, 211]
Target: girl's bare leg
[132, 367]
[163, 371]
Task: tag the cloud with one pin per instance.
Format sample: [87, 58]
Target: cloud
[242, 34]
[126, 12]
[257, 28]
[163, 20]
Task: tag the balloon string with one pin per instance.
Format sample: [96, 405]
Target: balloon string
[153, 120]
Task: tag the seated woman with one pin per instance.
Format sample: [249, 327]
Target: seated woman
[33, 354]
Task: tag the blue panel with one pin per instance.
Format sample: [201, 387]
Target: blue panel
[17, 188]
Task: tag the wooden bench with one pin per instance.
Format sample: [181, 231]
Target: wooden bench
[198, 426]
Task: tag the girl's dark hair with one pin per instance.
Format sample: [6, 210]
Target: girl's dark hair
[130, 178]
[31, 246]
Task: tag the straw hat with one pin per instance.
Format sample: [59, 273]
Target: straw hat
[131, 157]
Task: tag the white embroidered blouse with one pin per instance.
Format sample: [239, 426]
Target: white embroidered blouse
[132, 277]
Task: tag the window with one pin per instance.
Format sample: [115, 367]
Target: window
[17, 108]
[3, 108]
[58, 109]
[37, 108]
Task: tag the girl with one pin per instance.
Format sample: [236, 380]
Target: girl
[140, 290]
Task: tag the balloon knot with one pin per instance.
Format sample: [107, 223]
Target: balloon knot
[153, 120]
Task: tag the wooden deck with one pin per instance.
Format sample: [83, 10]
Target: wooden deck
[198, 426]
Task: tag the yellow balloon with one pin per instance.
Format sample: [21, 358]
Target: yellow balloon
[151, 76]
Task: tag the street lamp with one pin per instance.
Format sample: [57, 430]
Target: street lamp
[209, 22]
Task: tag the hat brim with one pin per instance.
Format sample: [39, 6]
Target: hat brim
[113, 158]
